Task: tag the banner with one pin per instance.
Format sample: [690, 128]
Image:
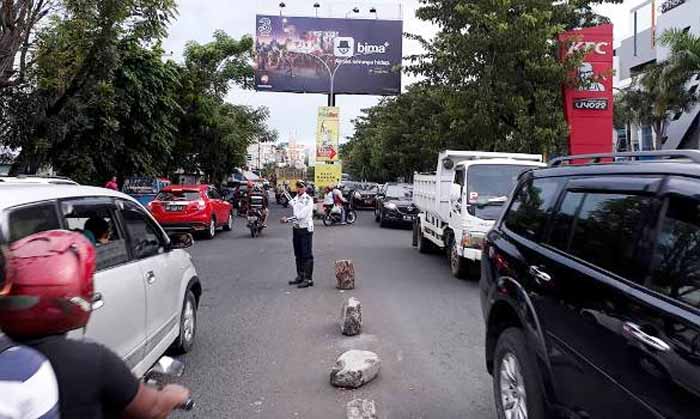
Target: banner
[327, 134]
[303, 54]
[327, 175]
[588, 107]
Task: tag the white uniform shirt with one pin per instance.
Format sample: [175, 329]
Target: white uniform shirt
[303, 207]
[328, 199]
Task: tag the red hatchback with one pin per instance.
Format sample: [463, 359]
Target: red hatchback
[192, 208]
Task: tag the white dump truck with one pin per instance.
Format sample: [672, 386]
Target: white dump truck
[460, 202]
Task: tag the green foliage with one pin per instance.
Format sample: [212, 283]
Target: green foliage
[491, 81]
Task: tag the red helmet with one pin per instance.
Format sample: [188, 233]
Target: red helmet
[49, 284]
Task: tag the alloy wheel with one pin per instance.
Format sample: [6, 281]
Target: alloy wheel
[512, 386]
[212, 228]
[188, 321]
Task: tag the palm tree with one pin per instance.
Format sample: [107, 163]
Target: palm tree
[656, 96]
[685, 50]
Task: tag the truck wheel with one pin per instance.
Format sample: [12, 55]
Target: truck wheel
[424, 245]
[458, 265]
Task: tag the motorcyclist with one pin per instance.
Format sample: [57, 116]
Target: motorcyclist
[327, 199]
[254, 190]
[29, 387]
[340, 201]
[50, 294]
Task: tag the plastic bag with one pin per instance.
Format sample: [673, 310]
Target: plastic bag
[335, 210]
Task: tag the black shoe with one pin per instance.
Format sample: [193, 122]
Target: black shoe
[298, 280]
[305, 284]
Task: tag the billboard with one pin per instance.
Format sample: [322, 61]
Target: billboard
[327, 134]
[588, 106]
[327, 174]
[307, 55]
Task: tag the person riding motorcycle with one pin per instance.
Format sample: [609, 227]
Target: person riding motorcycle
[50, 293]
[340, 201]
[254, 190]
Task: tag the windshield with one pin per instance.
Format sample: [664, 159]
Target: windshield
[489, 186]
[403, 192]
[178, 196]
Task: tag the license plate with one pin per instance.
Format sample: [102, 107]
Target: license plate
[174, 208]
[408, 218]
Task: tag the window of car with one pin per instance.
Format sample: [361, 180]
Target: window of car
[212, 193]
[676, 261]
[29, 219]
[96, 219]
[603, 229]
[399, 192]
[179, 195]
[145, 237]
[532, 206]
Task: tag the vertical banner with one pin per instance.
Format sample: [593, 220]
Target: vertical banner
[588, 106]
[327, 174]
[327, 134]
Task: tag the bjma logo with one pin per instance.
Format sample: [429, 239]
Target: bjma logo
[363, 48]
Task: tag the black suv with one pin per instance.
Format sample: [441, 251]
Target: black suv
[590, 289]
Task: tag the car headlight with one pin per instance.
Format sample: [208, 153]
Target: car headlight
[390, 206]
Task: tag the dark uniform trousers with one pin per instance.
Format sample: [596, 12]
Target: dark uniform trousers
[303, 252]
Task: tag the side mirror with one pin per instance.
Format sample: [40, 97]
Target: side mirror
[169, 366]
[181, 240]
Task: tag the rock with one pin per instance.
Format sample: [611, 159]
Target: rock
[345, 274]
[351, 317]
[361, 409]
[355, 368]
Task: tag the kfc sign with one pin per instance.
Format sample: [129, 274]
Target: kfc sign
[591, 104]
[599, 48]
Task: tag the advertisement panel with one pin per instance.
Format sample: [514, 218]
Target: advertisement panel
[327, 174]
[588, 106]
[306, 54]
[327, 134]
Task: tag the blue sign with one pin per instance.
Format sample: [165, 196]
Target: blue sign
[307, 55]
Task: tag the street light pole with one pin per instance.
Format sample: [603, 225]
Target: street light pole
[331, 74]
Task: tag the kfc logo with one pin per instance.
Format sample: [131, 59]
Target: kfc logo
[599, 48]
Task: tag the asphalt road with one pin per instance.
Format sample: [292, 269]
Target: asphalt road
[265, 349]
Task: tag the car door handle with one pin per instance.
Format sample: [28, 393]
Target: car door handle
[97, 301]
[150, 277]
[540, 275]
[639, 335]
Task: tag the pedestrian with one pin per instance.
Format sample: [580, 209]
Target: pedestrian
[112, 184]
[302, 236]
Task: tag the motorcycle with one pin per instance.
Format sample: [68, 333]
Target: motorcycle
[330, 217]
[255, 223]
[160, 373]
[285, 198]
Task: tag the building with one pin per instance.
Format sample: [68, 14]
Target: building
[649, 20]
[261, 154]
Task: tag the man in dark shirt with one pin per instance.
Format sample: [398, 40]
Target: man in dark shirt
[50, 282]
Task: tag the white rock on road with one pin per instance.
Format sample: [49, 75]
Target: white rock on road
[351, 317]
[361, 409]
[355, 368]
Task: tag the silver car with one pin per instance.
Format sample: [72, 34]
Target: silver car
[146, 288]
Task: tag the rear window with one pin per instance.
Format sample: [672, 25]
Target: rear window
[178, 196]
[404, 192]
[489, 186]
[25, 221]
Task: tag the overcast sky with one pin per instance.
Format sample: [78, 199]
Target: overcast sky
[295, 114]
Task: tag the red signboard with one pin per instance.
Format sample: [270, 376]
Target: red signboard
[588, 107]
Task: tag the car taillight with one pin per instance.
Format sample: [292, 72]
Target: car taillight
[201, 204]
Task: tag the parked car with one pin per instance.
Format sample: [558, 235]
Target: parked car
[144, 188]
[146, 289]
[590, 289]
[192, 208]
[394, 205]
[366, 196]
[44, 180]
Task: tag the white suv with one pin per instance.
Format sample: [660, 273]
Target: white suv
[146, 288]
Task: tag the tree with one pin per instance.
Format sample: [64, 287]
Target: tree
[685, 50]
[18, 22]
[655, 97]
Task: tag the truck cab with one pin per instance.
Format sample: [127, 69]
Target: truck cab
[461, 200]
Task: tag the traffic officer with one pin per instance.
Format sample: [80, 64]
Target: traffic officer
[303, 232]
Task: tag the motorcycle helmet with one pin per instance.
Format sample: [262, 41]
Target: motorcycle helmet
[49, 284]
